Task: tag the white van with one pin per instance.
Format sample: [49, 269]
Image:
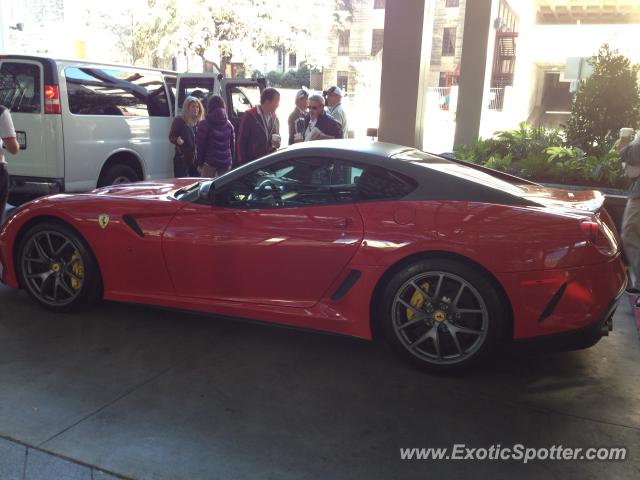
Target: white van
[81, 125]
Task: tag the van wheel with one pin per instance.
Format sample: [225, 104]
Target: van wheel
[117, 174]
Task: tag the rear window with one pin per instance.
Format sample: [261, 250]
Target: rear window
[420, 157]
[20, 87]
[102, 91]
[454, 168]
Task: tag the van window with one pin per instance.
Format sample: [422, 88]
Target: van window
[20, 87]
[199, 87]
[243, 98]
[100, 91]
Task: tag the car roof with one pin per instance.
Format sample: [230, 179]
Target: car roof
[348, 147]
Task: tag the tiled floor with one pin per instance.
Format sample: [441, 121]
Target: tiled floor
[153, 394]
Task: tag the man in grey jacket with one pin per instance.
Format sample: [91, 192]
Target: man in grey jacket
[335, 109]
[630, 155]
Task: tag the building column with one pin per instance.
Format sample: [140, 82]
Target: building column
[4, 26]
[406, 56]
[474, 73]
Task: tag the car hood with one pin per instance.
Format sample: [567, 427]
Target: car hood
[146, 190]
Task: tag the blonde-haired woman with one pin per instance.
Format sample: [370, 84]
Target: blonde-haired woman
[182, 134]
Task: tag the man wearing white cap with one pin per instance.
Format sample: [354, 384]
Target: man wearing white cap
[334, 108]
[296, 119]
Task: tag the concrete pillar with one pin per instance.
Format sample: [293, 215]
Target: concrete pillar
[4, 25]
[406, 55]
[474, 69]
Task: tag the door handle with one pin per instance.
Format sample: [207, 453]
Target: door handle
[341, 222]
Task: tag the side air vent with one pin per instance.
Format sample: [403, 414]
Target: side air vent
[551, 306]
[132, 224]
[346, 285]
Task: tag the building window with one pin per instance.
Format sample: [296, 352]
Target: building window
[292, 60]
[452, 3]
[280, 57]
[343, 42]
[378, 3]
[377, 38]
[449, 42]
[442, 80]
[343, 80]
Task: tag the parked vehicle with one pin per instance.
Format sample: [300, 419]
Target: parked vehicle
[82, 125]
[444, 260]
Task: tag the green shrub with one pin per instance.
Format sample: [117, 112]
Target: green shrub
[605, 102]
[540, 154]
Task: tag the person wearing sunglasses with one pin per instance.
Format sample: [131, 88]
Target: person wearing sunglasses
[319, 125]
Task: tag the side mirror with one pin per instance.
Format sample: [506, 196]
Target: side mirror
[207, 192]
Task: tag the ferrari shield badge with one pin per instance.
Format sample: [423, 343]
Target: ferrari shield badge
[103, 220]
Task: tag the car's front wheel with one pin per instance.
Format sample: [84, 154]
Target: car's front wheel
[440, 314]
[57, 268]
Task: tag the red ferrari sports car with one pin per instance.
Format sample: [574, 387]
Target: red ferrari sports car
[444, 260]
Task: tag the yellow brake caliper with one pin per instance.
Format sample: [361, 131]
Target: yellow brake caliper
[78, 271]
[417, 300]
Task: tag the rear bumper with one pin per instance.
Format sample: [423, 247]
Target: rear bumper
[550, 302]
[34, 186]
[576, 339]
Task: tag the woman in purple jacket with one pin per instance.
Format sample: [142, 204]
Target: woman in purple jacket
[215, 140]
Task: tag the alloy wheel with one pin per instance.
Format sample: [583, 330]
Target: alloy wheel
[53, 268]
[440, 318]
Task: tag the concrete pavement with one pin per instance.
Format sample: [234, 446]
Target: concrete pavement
[138, 392]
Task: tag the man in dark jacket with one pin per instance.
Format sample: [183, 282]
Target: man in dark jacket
[297, 117]
[259, 131]
[319, 125]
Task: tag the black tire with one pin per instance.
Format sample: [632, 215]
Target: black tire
[117, 174]
[466, 301]
[57, 268]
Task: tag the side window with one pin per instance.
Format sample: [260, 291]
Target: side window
[240, 103]
[95, 91]
[20, 87]
[294, 183]
[377, 183]
[199, 87]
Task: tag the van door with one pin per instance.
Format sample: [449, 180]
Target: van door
[240, 95]
[22, 87]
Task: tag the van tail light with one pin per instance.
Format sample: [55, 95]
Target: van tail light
[601, 236]
[52, 99]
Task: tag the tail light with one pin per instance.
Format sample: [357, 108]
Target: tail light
[52, 99]
[600, 235]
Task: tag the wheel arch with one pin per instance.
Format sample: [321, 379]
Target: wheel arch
[122, 157]
[54, 219]
[388, 274]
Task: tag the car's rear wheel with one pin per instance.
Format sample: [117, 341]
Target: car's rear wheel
[440, 314]
[57, 268]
